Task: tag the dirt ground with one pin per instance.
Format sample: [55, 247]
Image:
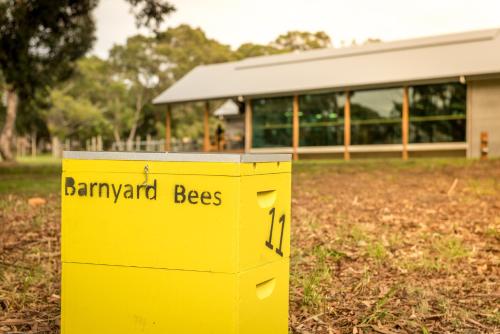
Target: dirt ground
[377, 247]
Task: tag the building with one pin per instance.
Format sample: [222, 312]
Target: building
[436, 95]
[231, 115]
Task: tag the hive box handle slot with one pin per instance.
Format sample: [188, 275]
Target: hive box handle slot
[266, 288]
[266, 198]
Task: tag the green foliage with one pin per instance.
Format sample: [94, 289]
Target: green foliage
[302, 41]
[40, 176]
[40, 40]
[150, 13]
[451, 248]
[184, 48]
[291, 41]
[254, 50]
[379, 311]
[112, 97]
[376, 251]
[93, 90]
[137, 64]
[70, 117]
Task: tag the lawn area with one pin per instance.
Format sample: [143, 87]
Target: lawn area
[31, 176]
[378, 246]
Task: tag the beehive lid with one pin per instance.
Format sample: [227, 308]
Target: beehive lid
[176, 157]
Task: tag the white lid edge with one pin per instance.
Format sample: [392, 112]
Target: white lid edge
[177, 157]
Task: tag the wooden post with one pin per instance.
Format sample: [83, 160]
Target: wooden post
[484, 145]
[56, 147]
[18, 146]
[24, 144]
[206, 129]
[137, 144]
[347, 125]
[248, 125]
[405, 122]
[168, 131]
[148, 142]
[295, 127]
[99, 143]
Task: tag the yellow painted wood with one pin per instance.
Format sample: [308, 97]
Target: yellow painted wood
[151, 263]
[176, 168]
[263, 193]
[117, 300]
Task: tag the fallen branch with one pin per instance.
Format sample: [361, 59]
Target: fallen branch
[382, 330]
[452, 188]
[15, 322]
[314, 317]
[477, 323]
[7, 264]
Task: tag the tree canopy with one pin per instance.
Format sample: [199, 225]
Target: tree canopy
[40, 42]
[302, 41]
[89, 96]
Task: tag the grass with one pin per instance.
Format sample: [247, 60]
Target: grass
[443, 253]
[376, 251]
[34, 176]
[320, 275]
[451, 249]
[484, 186]
[493, 232]
[369, 164]
[379, 311]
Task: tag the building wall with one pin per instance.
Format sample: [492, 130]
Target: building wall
[483, 109]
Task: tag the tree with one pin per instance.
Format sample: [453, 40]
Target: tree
[94, 83]
[302, 41]
[254, 50]
[137, 65]
[40, 42]
[183, 48]
[69, 117]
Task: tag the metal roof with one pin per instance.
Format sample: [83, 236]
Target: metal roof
[428, 59]
[229, 108]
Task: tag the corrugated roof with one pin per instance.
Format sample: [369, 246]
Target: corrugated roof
[445, 57]
[229, 108]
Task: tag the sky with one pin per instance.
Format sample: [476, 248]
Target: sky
[235, 22]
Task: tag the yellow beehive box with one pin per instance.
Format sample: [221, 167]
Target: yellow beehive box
[175, 243]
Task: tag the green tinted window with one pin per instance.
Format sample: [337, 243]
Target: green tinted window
[321, 119]
[272, 122]
[376, 116]
[437, 113]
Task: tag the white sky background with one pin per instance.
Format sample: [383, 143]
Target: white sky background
[235, 22]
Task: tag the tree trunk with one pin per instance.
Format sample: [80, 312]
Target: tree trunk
[137, 114]
[33, 144]
[8, 128]
[116, 136]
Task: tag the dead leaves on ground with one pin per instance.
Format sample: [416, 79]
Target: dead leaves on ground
[421, 250]
[374, 250]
